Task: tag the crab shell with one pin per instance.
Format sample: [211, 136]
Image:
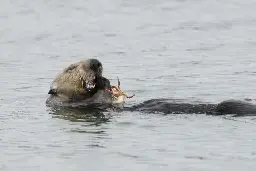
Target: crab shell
[119, 99]
[118, 95]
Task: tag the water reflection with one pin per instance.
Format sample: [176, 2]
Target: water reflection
[94, 115]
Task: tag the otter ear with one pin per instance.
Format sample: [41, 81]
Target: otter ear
[52, 91]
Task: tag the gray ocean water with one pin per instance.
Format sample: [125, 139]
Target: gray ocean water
[191, 50]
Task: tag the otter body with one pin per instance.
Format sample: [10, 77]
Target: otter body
[170, 106]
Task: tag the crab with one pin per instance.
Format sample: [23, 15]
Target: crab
[117, 94]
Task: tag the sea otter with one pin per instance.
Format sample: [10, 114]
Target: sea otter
[80, 83]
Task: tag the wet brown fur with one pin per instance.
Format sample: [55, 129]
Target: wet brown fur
[72, 81]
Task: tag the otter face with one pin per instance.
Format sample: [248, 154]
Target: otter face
[96, 66]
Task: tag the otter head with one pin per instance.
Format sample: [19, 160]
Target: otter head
[96, 66]
[92, 75]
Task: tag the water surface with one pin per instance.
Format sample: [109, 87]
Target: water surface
[189, 50]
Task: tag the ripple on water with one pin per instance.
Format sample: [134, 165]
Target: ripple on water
[96, 146]
[89, 131]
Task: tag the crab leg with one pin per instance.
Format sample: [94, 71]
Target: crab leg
[118, 82]
[129, 96]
